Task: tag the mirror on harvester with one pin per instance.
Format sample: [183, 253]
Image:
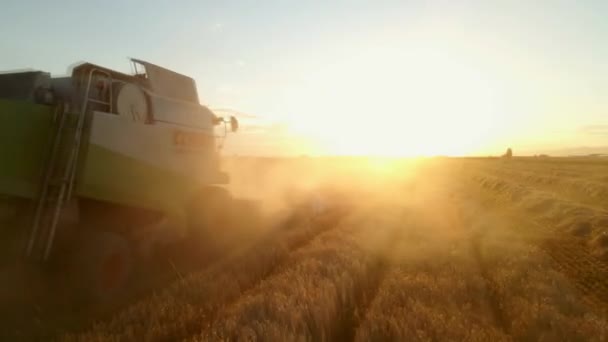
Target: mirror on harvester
[234, 124]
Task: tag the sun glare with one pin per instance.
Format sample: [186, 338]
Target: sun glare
[401, 103]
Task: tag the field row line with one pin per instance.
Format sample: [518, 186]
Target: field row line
[432, 290]
[319, 294]
[571, 258]
[180, 310]
[590, 193]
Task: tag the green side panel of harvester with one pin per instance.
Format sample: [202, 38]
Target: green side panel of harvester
[103, 174]
[24, 139]
[113, 177]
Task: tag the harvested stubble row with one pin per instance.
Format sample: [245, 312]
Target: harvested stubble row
[579, 257]
[434, 290]
[318, 291]
[586, 191]
[538, 302]
[542, 284]
[180, 310]
[588, 224]
[533, 199]
[563, 167]
[484, 284]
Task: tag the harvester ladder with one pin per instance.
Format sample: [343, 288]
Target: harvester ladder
[60, 171]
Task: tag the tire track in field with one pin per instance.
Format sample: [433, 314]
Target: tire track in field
[308, 282]
[587, 273]
[352, 316]
[329, 223]
[492, 294]
[327, 297]
[193, 302]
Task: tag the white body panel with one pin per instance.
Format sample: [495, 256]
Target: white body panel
[154, 144]
[179, 112]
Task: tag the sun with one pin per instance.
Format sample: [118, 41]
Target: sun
[429, 104]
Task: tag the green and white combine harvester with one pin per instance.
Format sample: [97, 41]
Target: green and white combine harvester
[99, 167]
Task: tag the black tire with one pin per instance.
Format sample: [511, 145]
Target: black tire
[104, 264]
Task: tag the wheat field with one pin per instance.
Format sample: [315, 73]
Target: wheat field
[436, 249]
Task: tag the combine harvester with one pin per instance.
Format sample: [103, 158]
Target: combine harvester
[100, 168]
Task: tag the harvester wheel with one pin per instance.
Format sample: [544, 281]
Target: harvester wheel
[104, 264]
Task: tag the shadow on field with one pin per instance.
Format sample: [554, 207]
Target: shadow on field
[39, 304]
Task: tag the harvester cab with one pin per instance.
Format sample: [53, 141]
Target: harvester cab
[105, 161]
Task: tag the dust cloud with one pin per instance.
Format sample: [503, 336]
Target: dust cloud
[417, 197]
[280, 183]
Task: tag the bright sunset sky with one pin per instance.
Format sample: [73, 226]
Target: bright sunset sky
[352, 77]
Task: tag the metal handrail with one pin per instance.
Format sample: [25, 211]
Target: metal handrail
[81, 120]
[67, 181]
[59, 110]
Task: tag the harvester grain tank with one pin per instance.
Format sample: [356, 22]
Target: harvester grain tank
[100, 167]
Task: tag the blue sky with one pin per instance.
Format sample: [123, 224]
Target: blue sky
[348, 66]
